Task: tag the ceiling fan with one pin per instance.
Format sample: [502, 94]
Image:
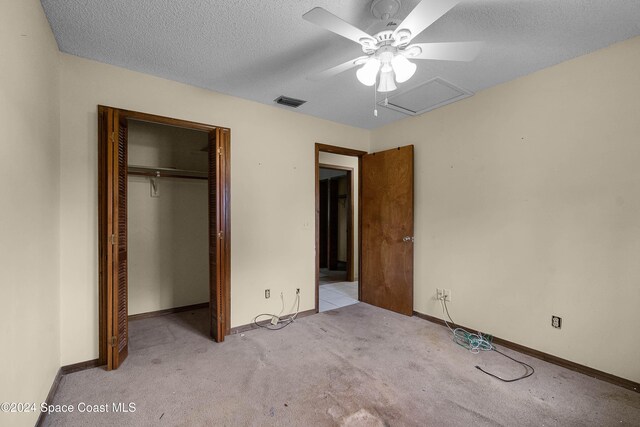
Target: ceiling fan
[389, 51]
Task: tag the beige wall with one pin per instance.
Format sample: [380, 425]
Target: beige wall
[527, 206]
[350, 162]
[271, 148]
[168, 246]
[29, 201]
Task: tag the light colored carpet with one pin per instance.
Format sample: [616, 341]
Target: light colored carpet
[354, 366]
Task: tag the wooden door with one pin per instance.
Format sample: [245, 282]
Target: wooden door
[386, 276]
[117, 322]
[218, 242]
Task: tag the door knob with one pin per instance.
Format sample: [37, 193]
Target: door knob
[408, 239]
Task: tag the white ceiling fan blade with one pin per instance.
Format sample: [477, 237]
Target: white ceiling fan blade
[331, 22]
[424, 14]
[453, 51]
[333, 71]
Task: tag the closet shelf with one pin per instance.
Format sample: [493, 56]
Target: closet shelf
[166, 172]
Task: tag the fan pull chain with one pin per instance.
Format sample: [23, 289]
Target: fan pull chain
[375, 99]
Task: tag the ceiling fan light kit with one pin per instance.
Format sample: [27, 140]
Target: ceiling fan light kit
[387, 83]
[403, 68]
[391, 65]
[388, 51]
[368, 72]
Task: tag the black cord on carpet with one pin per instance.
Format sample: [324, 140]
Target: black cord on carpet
[485, 344]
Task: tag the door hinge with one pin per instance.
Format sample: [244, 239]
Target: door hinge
[113, 239]
[113, 137]
[220, 151]
[113, 341]
[220, 235]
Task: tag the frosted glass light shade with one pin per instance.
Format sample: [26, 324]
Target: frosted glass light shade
[403, 68]
[368, 72]
[387, 83]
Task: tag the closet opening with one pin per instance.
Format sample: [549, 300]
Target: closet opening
[164, 231]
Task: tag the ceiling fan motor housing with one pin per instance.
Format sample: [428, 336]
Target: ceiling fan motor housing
[386, 38]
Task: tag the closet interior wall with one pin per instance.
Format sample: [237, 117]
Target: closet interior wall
[168, 237]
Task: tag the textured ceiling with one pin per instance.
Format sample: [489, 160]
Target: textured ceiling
[259, 50]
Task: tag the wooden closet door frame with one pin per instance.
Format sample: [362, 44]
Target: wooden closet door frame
[345, 152]
[105, 203]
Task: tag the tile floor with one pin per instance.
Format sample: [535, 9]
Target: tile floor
[331, 276]
[340, 294]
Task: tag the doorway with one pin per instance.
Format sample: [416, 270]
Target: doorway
[338, 286]
[336, 223]
[337, 227]
[209, 163]
[384, 226]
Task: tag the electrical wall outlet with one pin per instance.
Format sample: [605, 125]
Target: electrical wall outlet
[556, 322]
[447, 295]
[439, 294]
[267, 293]
[297, 291]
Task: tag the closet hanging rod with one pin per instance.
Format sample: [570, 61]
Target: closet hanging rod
[166, 172]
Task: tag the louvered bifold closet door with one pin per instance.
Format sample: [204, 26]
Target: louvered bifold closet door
[219, 239]
[215, 297]
[120, 335]
[116, 238]
[121, 326]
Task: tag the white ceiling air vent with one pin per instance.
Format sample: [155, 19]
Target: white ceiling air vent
[289, 102]
[426, 97]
